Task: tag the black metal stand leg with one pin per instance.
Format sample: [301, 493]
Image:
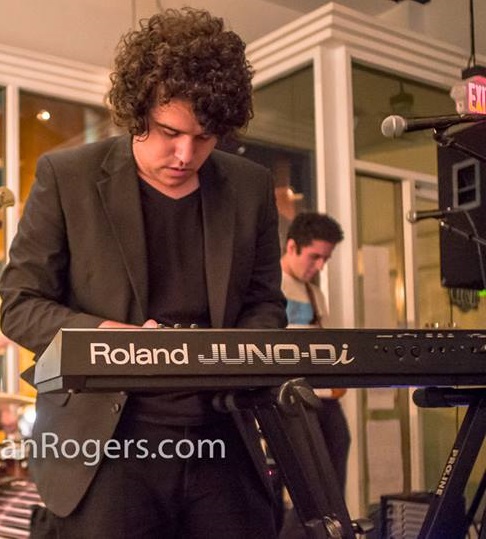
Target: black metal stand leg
[292, 423]
[482, 533]
[288, 420]
[441, 519]
[475, 504]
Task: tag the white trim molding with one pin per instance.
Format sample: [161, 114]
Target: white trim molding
[52, 76]
[367, 39]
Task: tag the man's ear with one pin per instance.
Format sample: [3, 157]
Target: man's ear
[291, 247]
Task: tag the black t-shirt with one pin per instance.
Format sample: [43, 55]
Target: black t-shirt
[175, 256]
[177, 295]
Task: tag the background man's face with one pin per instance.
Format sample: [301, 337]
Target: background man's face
[305, 265]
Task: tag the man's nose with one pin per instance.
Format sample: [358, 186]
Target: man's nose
[320, 264]
[184, 151]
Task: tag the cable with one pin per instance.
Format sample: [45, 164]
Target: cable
[472, 59]
[134, 14]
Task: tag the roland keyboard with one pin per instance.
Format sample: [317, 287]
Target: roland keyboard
[163, 359]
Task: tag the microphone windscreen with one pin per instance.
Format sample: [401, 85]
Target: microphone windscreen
[429, 397]
[412, 217]
[393, 126]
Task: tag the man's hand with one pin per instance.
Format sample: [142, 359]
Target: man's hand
[335, 393]
[150, 323]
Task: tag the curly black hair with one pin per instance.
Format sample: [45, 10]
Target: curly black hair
[310, 226]
[182, 54]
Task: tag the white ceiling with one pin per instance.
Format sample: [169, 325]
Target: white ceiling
[88, 30]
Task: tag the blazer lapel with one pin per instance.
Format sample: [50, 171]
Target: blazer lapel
[119, 191]
[218, 205]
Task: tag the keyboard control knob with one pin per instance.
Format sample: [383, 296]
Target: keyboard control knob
[399, 351]
[415, 351]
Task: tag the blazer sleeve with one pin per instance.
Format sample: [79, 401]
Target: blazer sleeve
[34, 284]
[264, 303]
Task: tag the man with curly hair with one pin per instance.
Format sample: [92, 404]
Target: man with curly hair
[155, 227]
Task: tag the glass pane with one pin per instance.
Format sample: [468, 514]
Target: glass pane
[47, 123]
[2, 224]
[281, 137]
[382, 305]
[376, 95]
[6, 195]
[3, 178]
[2, 136]
[380, 243]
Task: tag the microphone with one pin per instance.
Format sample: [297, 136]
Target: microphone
[415, 216]
[444, 397]
[394, 126]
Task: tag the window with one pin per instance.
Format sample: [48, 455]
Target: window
[281, 137]
[47, 123]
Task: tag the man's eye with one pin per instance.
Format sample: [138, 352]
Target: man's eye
[170, 133]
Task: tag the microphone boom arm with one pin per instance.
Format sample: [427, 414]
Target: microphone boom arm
[448, 141]
[470, 237]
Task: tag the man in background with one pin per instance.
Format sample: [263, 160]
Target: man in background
[311, 240]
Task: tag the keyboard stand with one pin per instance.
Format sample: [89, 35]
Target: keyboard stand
[442, 516]
[288, 420]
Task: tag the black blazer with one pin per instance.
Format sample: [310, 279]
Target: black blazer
[79, 258]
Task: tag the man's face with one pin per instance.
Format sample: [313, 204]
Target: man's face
[305, 265]
[174, 149]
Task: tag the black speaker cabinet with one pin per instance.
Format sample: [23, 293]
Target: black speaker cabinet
[462, 187]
